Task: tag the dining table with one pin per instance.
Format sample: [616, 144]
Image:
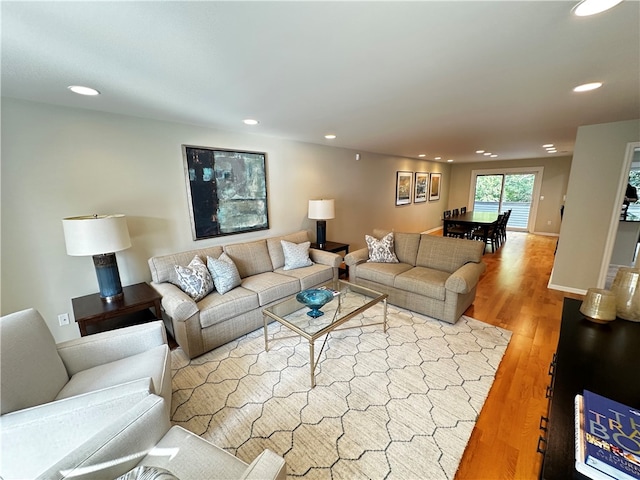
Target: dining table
[472, 219]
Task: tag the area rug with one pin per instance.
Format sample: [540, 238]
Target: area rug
[400, 404]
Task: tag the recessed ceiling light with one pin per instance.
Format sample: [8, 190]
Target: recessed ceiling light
[493, 155]
[450, 160]
[486, 154]
[479, 151]
[591, 7]
[80, 90]
[552, 150]
[587, 87]
[330, 136]
[250, 121]
[547, 145]
[422, 155]
[438, 158]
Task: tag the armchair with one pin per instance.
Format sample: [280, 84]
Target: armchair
[54, 398]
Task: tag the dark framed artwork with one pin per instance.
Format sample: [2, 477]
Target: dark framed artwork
[434, 186]
[420, 187]
[227, 191]
[403, 187]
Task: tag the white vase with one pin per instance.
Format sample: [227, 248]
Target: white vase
[626, 286]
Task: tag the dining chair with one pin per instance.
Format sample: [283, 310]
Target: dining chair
[493, 234]
[463, 210]
[455, 212]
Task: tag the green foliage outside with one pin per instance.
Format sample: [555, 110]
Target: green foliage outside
[634, 178]
[517, 188]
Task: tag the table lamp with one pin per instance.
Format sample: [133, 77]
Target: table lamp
[100, 236]
[321, 210]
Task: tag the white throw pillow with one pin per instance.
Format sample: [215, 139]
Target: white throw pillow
[225, 273]
[381, 251]
[195, 279]
[296, 255]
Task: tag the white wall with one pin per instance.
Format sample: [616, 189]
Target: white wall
[592, 201]
[59, 162]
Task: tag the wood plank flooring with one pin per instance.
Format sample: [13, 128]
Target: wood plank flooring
[513, 294]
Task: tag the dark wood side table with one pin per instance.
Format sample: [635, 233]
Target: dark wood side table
[335, 247]
[95, 315]
[599, 358]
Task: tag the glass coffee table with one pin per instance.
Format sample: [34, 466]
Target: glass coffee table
[350, 301]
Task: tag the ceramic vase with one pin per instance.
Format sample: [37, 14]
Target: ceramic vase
[626, 287]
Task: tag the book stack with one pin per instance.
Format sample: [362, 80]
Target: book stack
[607, 438]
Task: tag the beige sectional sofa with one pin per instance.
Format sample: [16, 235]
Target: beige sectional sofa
[200, 326]
[435, 276]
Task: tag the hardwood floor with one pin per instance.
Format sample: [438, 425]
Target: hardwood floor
[513, 294]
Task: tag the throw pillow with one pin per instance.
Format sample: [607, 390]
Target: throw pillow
[194, 279]
[225, 273]
[148, 473]
[381, 251]
[296, 255]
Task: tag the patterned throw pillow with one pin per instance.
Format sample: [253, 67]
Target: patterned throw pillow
[381, 251]
[296, 255]
[195, 280]
[225, 273]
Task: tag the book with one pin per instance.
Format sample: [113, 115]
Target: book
[334, 292]
[607, 438]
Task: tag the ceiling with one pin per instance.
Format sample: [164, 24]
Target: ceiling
[443, 79]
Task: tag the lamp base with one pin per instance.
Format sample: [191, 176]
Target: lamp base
[321, 233]
[108, 277]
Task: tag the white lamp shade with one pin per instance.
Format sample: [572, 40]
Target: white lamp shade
[95, 234]
[321, 209]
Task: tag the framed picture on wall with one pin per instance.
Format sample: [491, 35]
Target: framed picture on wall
[420, 187]
[434, 186]
[227, 191]
[403, 187]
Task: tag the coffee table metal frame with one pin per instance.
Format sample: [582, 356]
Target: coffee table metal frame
[282, 311]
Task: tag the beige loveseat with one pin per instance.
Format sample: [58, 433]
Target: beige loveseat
[435, 276]
[200, 326]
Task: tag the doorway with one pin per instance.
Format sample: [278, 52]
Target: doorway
[508, 189]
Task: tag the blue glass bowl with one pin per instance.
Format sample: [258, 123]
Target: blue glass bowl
[315, 299]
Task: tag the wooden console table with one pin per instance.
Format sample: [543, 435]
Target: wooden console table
[91, 311]
[600, 358]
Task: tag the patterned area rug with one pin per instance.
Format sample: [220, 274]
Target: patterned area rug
[400, 404]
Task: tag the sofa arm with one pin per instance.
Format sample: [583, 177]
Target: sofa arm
[267, 465]
[325, 258]
[356, 257]
[465, 278]
[35, 438]
[178, 305]
[118, 447]
[106, 347]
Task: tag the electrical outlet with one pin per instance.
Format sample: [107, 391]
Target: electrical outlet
[548, 222]
[63, 319]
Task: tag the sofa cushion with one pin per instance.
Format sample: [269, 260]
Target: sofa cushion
[423, 281]
[446, 253]
[271, 286]
[31, 371]
[224, 272]
[163, 267]
[384, 273]
[150, 363]
[381, 251]
[251, 258]
[275, 247]
[216, 308]
[194, 279]
[309, 276]
[296, 255]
